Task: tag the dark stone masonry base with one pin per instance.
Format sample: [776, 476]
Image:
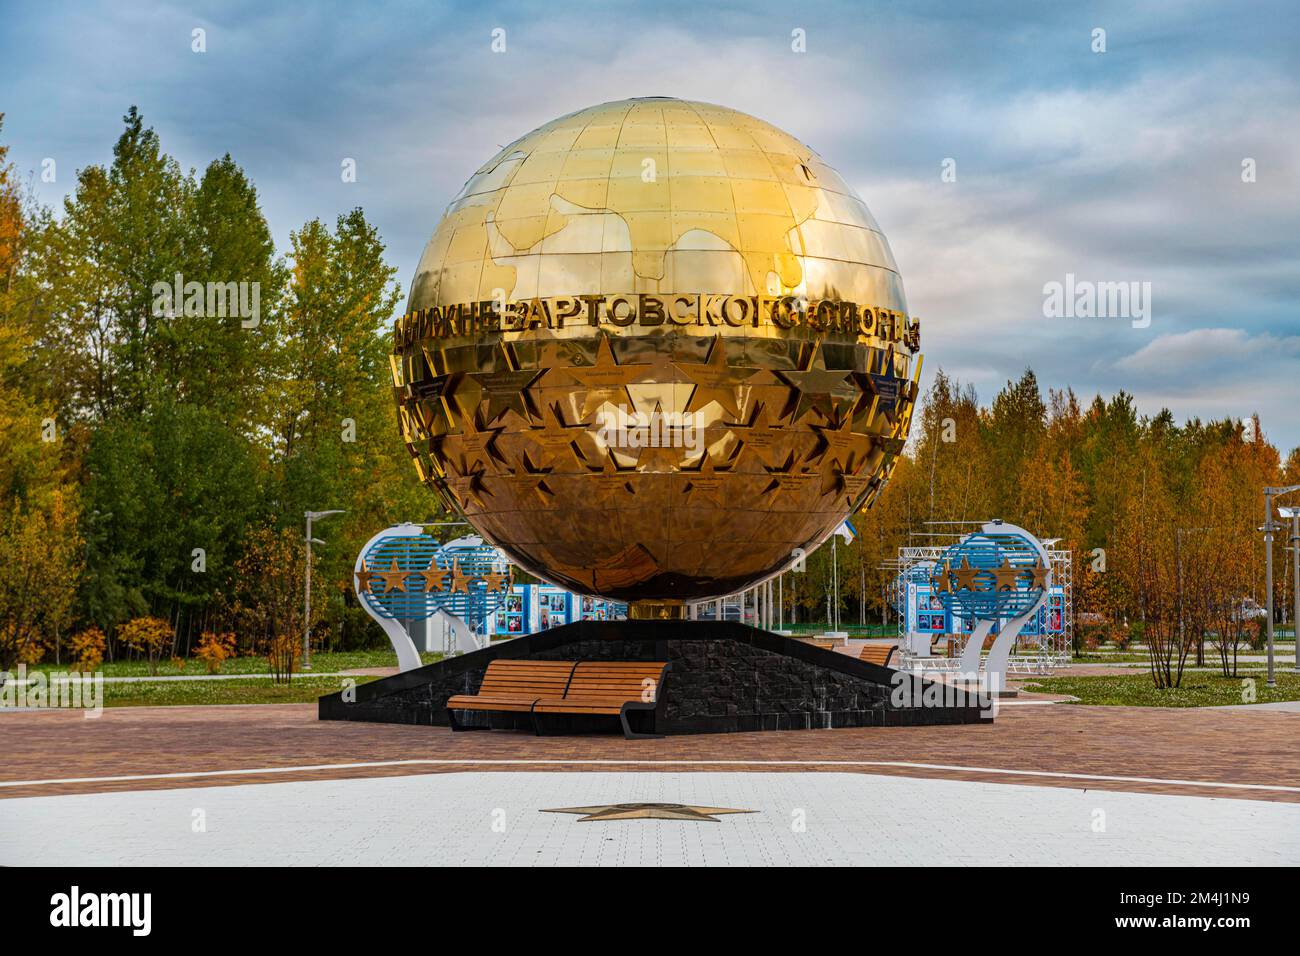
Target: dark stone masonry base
[725, 677]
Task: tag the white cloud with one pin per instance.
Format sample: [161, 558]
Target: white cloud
[1203, 350]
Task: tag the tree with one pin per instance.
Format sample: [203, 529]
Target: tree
[147, 636]
[269, 602]
[87, 650]
[41, 554]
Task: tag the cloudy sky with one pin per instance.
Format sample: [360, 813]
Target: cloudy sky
[1117, 166]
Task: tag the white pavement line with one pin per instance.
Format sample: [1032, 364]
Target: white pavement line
[633, 761]
[163, 678]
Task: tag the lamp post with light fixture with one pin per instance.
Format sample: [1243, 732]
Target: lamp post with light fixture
[1294, 515]
[306, 604]
[1269, 527]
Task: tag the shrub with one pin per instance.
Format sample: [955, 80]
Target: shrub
[87, 649]
[147, 636]
[1121, 635]
[282, 654]
[31, 653]
[213, 650]
[1256, 634]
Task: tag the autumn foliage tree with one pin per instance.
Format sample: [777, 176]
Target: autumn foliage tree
[148, 637]
[269, 604]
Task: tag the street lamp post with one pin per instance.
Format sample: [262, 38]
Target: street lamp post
[1269, 528]
[306, 601]
[1294, 515]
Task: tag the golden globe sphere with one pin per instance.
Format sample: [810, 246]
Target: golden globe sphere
[655, 350]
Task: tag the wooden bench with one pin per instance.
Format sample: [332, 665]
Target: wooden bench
[514, 687]
[574, 688]
[880, 654]
[826, 644]
[610, 688]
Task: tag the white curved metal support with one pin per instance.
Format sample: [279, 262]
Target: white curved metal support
[408, 658]
[970, 656]
[995, 665]
[463, 637]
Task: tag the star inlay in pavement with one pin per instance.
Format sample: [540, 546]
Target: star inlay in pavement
[648, 811]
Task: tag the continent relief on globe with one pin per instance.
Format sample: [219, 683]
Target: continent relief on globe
[653, 348]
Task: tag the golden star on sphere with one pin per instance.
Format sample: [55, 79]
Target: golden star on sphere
[552, 439]
[648, 811]
[506, 391]
[704, 482]
[394, 578]
[715, 380]
[606, 380]
[364, 576]
[835, 439]
[609, 478]
[832, 475]
[469, 488]
[818, 386]
[530, 483]
[941, 583]
[762, 438]
[470, 450]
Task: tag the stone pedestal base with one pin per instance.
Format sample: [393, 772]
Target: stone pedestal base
[725, 677]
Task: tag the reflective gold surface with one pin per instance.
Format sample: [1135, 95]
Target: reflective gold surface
[669, 258]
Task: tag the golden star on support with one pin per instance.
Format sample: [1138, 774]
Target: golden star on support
[363, 577]
[394, 578]
[497, 581]
[1041, 573]
[1006, 575]
[460, 582]
[433, 576]
[966, 576]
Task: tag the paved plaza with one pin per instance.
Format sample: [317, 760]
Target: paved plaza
[496, 818]
[1047, 783]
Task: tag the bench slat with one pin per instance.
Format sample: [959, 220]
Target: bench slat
[565, 687]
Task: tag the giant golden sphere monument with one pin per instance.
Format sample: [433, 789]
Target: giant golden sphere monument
[653, 348]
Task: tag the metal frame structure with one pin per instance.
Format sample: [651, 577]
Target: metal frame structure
[1033, 654]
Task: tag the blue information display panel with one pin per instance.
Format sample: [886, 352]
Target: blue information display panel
[538, 607]
[926, 614]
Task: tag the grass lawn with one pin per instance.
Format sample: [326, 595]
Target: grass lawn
[1199, 689]
[322, 662]
[854, 630]
[251, 691]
